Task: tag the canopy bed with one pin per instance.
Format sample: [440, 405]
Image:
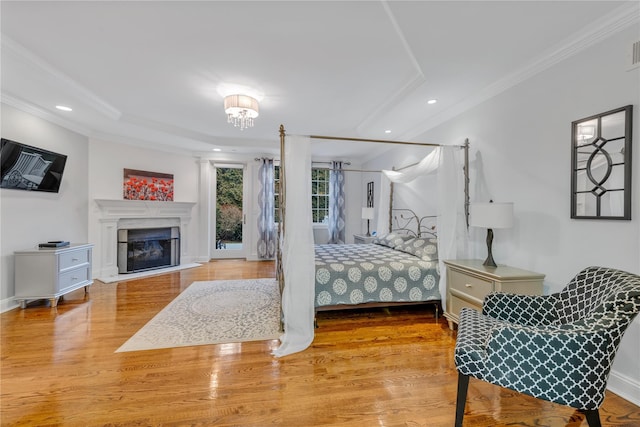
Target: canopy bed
[302, 268]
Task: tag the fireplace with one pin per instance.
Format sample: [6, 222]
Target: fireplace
[141, 249]
[113, 215]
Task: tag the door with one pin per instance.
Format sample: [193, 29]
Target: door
[229, 217]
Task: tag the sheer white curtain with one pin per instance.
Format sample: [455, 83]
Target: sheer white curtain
[426, 166]
[451, 228]
[298, 258]
[452, 231]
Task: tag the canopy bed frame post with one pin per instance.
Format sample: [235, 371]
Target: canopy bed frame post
[281, 212]
[391, 204]
[466, 181]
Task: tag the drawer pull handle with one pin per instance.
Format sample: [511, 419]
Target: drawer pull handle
[74, 278]
[75, 259]
[468, 285]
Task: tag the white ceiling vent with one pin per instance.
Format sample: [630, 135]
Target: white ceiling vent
[635, 55]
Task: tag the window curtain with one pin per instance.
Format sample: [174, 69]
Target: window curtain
[451, 226]
[298, 258]
[266, 222]
[336, 204]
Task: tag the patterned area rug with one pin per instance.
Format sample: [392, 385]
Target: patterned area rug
[221, 311]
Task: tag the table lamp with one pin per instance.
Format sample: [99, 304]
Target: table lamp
[491, 215]
[368, 213]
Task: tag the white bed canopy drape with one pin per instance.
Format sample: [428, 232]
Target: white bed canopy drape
[298, 257]
[451, 226]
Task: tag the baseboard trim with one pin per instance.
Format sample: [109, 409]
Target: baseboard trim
[8, 304]
[625, 387]
[131, 276]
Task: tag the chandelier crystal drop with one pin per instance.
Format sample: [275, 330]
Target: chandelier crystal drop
[241, 110]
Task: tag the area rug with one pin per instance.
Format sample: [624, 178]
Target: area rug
[220, 311]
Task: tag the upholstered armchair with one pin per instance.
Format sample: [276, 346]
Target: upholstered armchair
[557, 347]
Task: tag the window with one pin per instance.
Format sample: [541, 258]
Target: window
[319, 194]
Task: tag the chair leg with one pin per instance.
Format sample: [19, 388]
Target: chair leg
[463, 386]
[593, 417]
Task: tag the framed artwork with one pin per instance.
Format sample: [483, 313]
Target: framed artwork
[143, 185]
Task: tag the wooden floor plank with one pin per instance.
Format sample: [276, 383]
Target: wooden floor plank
[375, 367]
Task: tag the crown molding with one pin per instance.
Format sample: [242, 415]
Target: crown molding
[108, 137]
[610, 24]
[74, 87]
[42, 113]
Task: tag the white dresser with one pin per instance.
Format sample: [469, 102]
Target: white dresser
[52, 272]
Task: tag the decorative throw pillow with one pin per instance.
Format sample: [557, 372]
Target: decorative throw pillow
[391, 240]
[425, 248]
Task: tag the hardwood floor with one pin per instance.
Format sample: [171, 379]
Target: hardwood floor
[365, 368]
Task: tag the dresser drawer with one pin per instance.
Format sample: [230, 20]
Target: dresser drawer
[470, 285]
[74, 278]
[74, 258]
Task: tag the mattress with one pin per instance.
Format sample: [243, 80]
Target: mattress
[357, 274]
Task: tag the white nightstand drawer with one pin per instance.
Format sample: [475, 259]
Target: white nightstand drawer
[457, 304]
[74, 258]
[470, 285]
[74, 278]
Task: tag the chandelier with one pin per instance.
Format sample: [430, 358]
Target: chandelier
[241, 110]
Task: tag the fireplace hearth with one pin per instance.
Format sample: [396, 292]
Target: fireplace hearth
[141, 249]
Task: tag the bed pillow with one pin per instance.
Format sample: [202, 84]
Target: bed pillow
[425, 248]
[391, 240]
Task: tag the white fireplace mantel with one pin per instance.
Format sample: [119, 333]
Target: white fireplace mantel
[138, 214]
[116, 209]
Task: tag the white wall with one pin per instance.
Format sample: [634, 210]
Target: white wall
[29, 218]
[520, 144]
[107, 160]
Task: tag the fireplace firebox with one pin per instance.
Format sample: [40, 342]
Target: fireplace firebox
[141, 249]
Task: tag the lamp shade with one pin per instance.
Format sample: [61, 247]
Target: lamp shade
[367, 213]
[235, 105]
[491, 215]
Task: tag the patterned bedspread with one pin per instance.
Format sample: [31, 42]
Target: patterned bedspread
[356, 274]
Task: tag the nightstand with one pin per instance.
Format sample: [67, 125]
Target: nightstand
[468, 282]
[51, 273]
[361, 239]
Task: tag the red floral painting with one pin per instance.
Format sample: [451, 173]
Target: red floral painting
[143, 185]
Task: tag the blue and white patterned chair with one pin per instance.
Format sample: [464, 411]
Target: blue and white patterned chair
[556, 347]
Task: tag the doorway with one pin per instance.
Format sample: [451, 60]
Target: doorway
[229, 217]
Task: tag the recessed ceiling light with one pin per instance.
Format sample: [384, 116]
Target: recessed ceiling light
[217, 149]
[64, 108]
[387, 131]
[432, 101]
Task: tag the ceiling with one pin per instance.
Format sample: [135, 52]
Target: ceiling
[154, 73]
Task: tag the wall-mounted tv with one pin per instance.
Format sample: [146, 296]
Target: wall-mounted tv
[23, 167]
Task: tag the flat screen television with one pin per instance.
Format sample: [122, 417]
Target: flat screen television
[23, 167]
